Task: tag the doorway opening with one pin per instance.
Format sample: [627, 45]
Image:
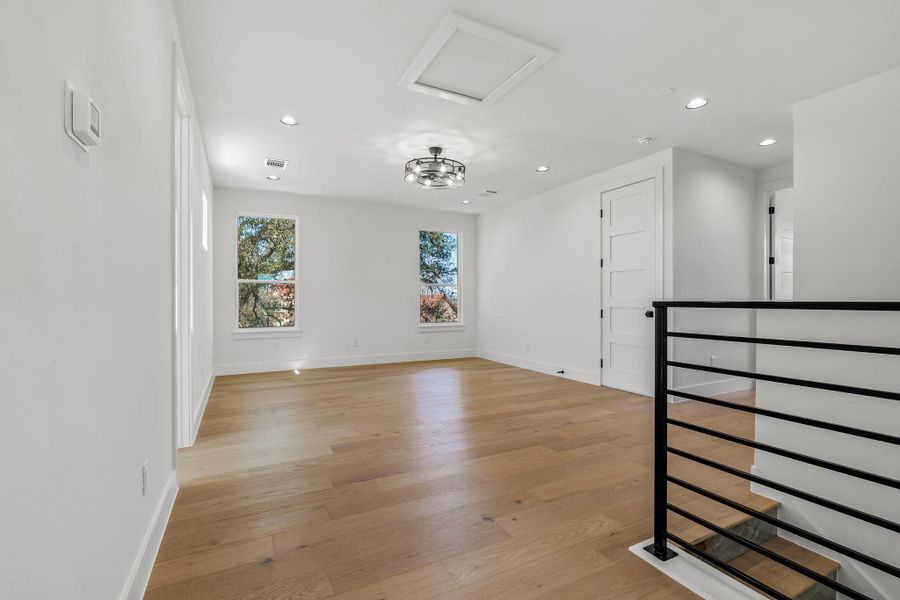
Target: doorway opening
[183, 259]
[780, 268]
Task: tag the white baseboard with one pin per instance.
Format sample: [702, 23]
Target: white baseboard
[704, 580]
[541, 367]
[195, 426]
[340, 361]
[720, 386]
[136, 584]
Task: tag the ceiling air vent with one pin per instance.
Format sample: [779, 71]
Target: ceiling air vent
[473, 63]
[278, 163]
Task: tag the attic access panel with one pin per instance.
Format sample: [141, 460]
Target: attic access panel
[472, 63]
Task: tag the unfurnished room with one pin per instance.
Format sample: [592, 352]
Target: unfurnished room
[450, 300]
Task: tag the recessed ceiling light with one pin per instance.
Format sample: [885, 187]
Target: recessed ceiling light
[465, 202]
[696, 103]
[768, 142]
[288, 120]
[645, 140]
[273, 177]
[542, 169]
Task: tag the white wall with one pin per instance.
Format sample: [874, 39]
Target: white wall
[539, 275]
[86, 313]
[847, 186]
[846, 248]
[357, 278]
[546, 249]
[717, 234]
[776, 173]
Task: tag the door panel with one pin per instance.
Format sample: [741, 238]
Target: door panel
[629, 285]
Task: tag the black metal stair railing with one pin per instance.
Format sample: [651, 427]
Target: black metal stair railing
[661, 505]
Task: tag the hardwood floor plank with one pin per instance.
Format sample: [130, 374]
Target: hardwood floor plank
[211, 561]
[419, 584]
[309, 586]
[632, 579]
[495, 559]
[535, 578]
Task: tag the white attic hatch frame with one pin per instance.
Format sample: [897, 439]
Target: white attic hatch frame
[472, 63]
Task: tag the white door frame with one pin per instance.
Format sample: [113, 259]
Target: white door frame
[663, 263]
[182, 261]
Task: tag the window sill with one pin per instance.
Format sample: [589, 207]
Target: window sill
[430, 327]
[252, 334]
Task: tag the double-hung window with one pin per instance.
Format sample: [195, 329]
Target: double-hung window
[266, 272]
[439, 292]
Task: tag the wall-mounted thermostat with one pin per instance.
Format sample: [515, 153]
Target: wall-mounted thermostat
[82, 118]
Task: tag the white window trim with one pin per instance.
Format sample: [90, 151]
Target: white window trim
[266, 332]
[460, 323]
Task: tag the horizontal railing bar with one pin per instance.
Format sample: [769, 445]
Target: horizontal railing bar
[794, 566]
[778, 342]
[804, 458]
[832, 387]
[864, 433]
[778, 305]
[830, 504]
[731, 570]
[818, 539]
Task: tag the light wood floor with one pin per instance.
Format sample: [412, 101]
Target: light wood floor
[462, 479]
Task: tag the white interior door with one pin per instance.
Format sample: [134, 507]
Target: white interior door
[781, 263]
[629, 247]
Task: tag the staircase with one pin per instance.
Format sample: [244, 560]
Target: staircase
[702, 503]
[785, 580]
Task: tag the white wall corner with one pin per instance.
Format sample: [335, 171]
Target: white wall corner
[580, 375]
[198, 416]
[139, 576]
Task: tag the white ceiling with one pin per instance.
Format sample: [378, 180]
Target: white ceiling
[335, 65]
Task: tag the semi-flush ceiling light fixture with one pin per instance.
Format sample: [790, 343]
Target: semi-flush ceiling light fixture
[768, 142]
[697, 103]
[435, 172]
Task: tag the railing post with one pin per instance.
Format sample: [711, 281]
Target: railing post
[658, 548]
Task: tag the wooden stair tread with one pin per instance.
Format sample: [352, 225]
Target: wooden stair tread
[713, 511]
[780, 577]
